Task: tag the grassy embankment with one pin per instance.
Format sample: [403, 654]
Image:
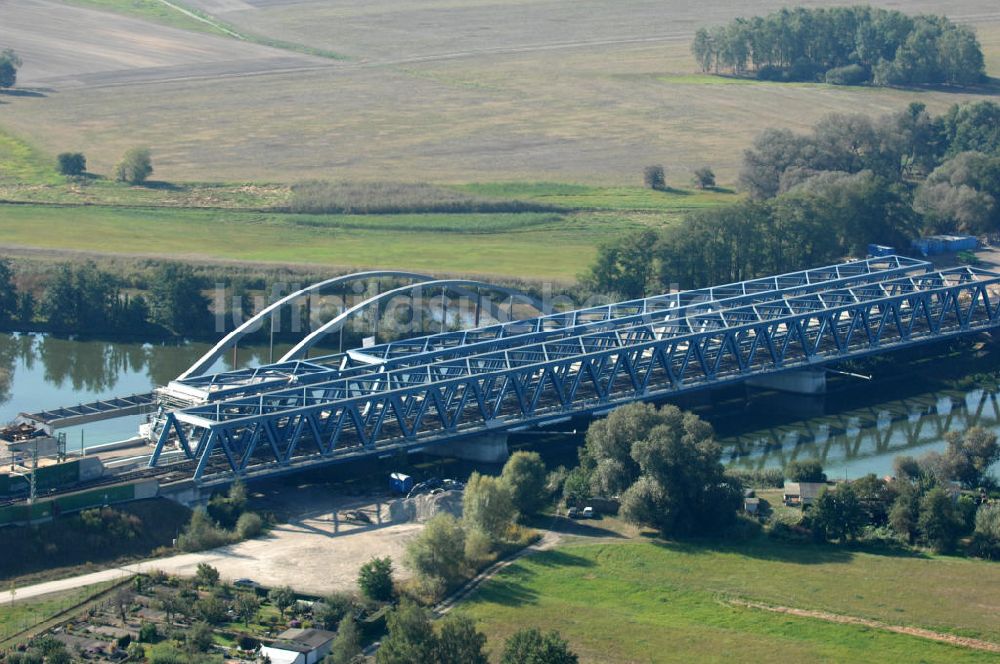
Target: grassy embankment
[637, 601]
[242, 222]
[68, 546]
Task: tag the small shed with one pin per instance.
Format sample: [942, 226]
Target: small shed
[299, 646]
[751, 505]
[802, 493]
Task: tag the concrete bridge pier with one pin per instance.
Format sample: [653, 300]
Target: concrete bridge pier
[487, 448]
[799, 381]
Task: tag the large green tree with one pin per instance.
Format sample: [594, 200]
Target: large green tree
[531, 646]
[8, 292]
[410, 638]
[176, 300]
[525, 475]
[437, 553]
[938, 523]
[488, 505]
[838, 514]
[459, 642]
[668, 465]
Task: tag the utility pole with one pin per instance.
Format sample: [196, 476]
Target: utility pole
[34, 467]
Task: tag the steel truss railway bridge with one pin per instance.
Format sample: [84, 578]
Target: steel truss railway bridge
[457, 387]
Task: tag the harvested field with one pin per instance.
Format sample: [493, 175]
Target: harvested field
[65, 47]
[447, 92]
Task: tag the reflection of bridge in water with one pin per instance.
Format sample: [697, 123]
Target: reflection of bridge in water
[890, 429]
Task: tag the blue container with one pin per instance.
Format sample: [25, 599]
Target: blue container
[400, 483]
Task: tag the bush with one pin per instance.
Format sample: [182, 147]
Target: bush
[803, 70]
[206, 575]
[199, 637]
[654, 177]
[986, 539]
[849, 75]
[249, 525]
[202, 533]
[72, 163]
[247, 642]
[318, 197]
[135, 167]
[331, 610]
[478, 549]
[148, 633]
[704, 177]
[805, 471]
[375, 579]
[764, 478]
[770, 73]
[136, 652]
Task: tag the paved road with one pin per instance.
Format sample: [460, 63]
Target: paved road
[71, 583]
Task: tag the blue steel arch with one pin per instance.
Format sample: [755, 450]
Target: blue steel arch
[340, 320]
[205, 361]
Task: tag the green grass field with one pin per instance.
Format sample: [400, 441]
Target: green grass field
[529, 246]
[238, 221]
[646, 601]
[23, 614]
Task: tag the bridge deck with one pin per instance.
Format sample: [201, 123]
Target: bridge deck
[445, 387]
[94, 411]
[517, 332]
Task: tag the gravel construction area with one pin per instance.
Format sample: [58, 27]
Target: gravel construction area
[314, 555]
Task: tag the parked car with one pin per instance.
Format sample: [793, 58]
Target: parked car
[245, 583]
[587, 513]
[573, 512]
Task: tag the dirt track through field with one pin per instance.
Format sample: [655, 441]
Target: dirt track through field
[952, 639]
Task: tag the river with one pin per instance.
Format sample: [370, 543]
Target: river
[858, 428]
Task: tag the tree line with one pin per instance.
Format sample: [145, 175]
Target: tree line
[665, 466]
[817, 198]
[81, 298]
[844, 46]
[921, 505]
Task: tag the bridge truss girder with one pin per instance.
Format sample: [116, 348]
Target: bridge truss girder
[545, 381]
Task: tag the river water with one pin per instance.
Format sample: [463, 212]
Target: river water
[39, 371]
[857, 429]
